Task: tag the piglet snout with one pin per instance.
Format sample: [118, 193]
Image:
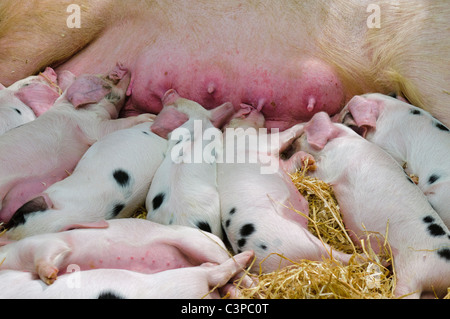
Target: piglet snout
[170, 97]
[118, 73]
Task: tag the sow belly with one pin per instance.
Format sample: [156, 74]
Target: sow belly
[291, 59]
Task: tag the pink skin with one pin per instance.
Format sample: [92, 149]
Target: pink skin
[132, 244]
[361, 174]
[283, 102]
[270, 204]
[42, 159]
[410, 135]
[207, 281]
[293, 58]
[38, 92]
[170, 117]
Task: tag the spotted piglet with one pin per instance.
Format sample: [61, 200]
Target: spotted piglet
[44, 151]
[26, 99]
[259, 202]
[376, 195]
[127, 243]
[412, 136]
[184, 190]
[111, 180]
[202, 281]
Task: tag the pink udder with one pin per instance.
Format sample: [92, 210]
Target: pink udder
[146, 259]
[288, 93]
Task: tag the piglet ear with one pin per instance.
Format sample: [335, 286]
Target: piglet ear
[168, 120]
[320, 130]
[222, 114]
[364, 112]
[65, 79]
[87, 90]
[49, 74]
[39, 97]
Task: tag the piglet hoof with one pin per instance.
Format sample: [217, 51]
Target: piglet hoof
[229, 291]
[47, 273]
[308, 162]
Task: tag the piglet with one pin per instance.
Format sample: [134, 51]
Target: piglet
[376, 195]
[27, 99]
[261, 208]
[44, 151]
[128, 243]
[412, 136]
[184, 191]
[202, 281]
[111, 180]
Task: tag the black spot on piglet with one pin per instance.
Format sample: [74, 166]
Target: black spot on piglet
[204, 226]
[247, 230]
[444, 253]
[18, 111]
[37, 204]
[415, 112]
[122, 178]
[433, 178]
[441, 126]
[436, 230]
[428, 219]
[158, 200]
[241, 242]
[109, 295]
[117, 209]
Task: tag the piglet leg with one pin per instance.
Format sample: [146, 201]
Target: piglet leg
[219, 276]
[297, 161]
[48, 258]
[110, 126]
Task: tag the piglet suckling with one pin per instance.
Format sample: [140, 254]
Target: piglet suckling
[184, 188]
[46, 150]
[127, 243]
[412, 136]
[261, 208]
[111, 180]
[374, 194]
[203, 281]
[28, 98]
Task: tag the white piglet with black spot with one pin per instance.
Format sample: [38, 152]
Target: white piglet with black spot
[45, 151]
[374, 194]
[111, 180]
[412, 136]
[184, 191]
[261, 208]
[26, 99]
